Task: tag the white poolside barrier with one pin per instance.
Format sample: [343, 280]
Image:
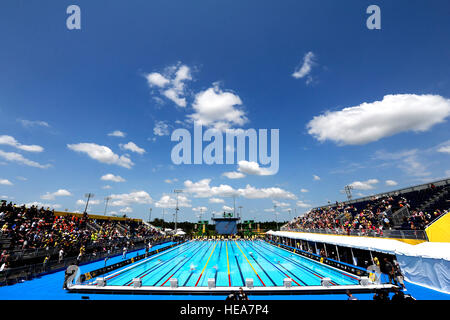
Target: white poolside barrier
[287, 282]
[174, 283]
[249, 283]
[325, 282]
[101, 282]
[364, 281]
[137, 283]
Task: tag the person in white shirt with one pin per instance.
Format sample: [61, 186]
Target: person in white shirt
[61, 255]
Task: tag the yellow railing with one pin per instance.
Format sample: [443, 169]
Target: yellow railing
[94, 216]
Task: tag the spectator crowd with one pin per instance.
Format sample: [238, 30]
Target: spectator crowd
[374, 215]
[30, 229]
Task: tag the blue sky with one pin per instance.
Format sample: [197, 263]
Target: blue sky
[366, 106]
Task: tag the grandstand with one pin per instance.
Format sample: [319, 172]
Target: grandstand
[30, 236]
[410, 225]
[329, 250]
[410, 209]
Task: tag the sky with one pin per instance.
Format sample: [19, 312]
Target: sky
[92, 110]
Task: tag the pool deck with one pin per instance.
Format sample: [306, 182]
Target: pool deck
[49, 287]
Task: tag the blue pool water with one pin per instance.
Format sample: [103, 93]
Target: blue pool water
[49, 287]
[230, 263]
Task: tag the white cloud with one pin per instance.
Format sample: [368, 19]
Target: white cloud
[202, 189]
[201, 208]
[32, 123]
[11, 141]
[45, 205]
[391, 183]
[364, 185]
[273, 192]
[168, 201]
[251, 167]
[373, 121]
[157, 79]
[59, 193]
[111, 177]
[107, 187]
[16, 157]
[117, 133]
[102, 154]
[233, 175]
[81, 202]
[280, 204]
[304, 190]
[131, 146]
[171, 85]
[22, 178]
[173, 95]
[406, 160]
[227, 208]
[302, 204]
[161, 129]
[444, 147]
[305, 69]
[126, 199]
[316, 178]
[216, 200]
[218, 109]
[5, 182]
[126, 210]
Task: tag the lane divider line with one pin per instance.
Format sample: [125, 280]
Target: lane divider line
[228, 265]
[185, 261]
[237, 263]
[154, 267]
[206, 264]
[123, 271]
[317, 274]
[262, 255]
[250, 265]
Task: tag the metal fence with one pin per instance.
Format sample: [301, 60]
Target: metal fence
[23, 254]
[28, 272]
[397, 234]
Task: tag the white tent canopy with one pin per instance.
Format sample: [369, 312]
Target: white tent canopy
[366, 243]
[426, 264]
[426, 249]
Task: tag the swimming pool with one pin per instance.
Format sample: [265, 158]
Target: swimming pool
[230, 264]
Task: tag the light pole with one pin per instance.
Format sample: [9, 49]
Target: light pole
[348, 191]
[150, 216]
[106, 205]
[201, 213]
[88, 196]
[240, 214]
[162, 225]
[275, 211]
[176, 209]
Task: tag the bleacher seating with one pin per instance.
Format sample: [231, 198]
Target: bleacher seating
[412, 209]
[28, 234]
